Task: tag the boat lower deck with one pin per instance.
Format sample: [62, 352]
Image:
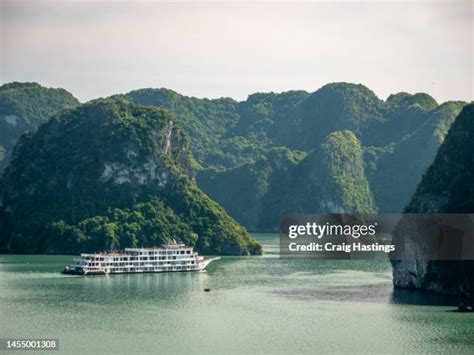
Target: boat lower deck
[104, 272]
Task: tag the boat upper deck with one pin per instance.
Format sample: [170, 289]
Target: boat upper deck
[166, 249]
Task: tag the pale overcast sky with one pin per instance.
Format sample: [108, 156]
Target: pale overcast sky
[216, 49]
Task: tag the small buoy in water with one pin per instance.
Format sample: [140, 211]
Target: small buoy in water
[463, 307]
[207, 289]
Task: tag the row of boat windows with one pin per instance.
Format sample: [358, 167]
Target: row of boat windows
[136, 258]
[139, 264]
[161, 252]
[136, 255]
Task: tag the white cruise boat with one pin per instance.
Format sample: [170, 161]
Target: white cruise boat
[172, 257]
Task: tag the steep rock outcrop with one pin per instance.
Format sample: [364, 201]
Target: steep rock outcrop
[447, 187]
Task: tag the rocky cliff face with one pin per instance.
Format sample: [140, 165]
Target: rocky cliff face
[205, 121]
[110, 173]
[447, 187]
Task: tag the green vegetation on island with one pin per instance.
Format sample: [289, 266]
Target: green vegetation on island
[23, 107]
[448, 185]
[328, 179]
[110, 174]
[399, 138]
[338, 149]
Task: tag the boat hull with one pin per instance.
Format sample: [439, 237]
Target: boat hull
[70, 270]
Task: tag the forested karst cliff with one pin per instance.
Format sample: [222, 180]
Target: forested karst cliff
[23, 107]
[255, 191]
[329, 179]
[415, 127]
[110, 174]
[447, 187]
[398, 138]
[338, 149]
[226, 133]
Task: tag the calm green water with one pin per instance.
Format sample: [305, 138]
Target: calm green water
[257, 305]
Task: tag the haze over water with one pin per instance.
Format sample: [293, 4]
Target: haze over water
[258, 304]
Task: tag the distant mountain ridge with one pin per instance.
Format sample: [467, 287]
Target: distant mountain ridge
[275, 139]
[399, 138]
